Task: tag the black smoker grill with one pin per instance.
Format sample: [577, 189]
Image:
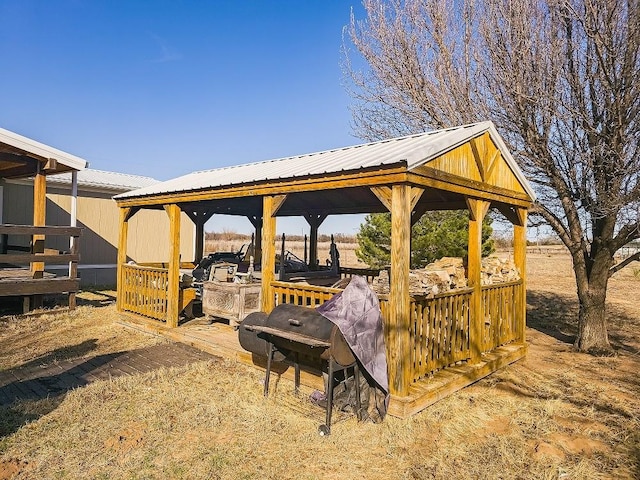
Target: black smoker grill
[295, 332]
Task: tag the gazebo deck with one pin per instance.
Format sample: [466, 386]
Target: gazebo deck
[220, 339]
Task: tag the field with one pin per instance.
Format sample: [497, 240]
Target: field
[555, 415]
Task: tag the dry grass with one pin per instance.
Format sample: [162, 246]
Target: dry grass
[557, 414]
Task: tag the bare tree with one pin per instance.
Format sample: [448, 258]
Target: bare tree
[560, 80]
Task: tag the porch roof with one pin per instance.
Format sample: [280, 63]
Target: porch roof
[22, 157]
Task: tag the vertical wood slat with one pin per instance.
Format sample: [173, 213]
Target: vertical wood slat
[144, 291]
[442, 323]
[500, 307]
[302, 294]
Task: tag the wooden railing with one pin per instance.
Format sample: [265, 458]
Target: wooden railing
[500, 306]
[144, 290]
[302, 294]
[439, 325]
[368, 273]
[35, 282]
[440, 331]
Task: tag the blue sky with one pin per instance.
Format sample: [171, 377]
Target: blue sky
[164, 88]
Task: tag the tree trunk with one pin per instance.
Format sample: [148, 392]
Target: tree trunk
[592, 324]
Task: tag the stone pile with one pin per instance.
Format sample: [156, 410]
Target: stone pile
[449, 273]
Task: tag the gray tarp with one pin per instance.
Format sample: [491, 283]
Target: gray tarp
[356, 312]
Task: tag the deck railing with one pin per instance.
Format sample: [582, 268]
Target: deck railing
[439, 331]
[368, 273]
[144, 290]
[500, 304]
[27, 282]
[440, 325]
[302, 294]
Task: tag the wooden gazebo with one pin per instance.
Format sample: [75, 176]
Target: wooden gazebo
[22, 157]
[434, 345]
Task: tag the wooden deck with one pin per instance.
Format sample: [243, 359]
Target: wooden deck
[222, 340]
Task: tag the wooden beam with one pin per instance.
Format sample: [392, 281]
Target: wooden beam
[478, 158]
[375, 177]
[278, 201]
[477, 210]
[384, 195]
[40, 230]
[51, 165]
[491, 164]
[173, 293]
[432, 178]
[520, 260]
[268, 263]
[22, 259]
[398, 330]
[122, 255]
[39, 286]
[418, 212]
[416, 195]
[508, 211]
[131, 212]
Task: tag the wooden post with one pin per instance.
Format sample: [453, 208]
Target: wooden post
[125, 214]
[314, 222]
[73, 270]
[399, 348]
[199, 218]
[39, 219]
[520, 260]
[477, 210]
[199, 249]
[173, 287]
[256, 221]
[268, 263]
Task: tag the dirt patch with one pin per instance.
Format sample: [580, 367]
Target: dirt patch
[577, 445]
[126, 440]
[545, 449]
[10, 468]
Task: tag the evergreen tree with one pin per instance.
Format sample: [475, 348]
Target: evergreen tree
[437, 234]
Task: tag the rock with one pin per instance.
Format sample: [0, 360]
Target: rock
[449, 273]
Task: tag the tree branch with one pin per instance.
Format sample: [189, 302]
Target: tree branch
[624, 263]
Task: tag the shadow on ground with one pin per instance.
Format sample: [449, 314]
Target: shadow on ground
[556, 315]
[37, 387]
[93, 297]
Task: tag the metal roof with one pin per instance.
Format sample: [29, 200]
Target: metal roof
[414, 150]
[99, 179]
[41, 150]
